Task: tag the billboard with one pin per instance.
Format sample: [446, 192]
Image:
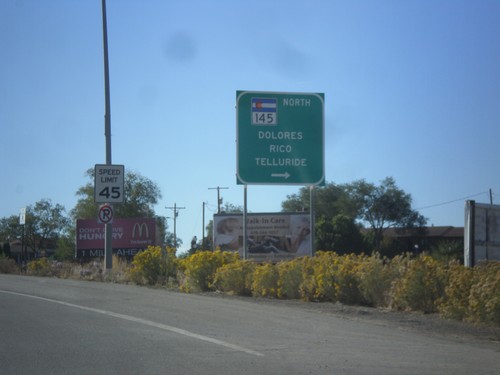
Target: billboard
[130, 236]
[481, 233]
[270, 236]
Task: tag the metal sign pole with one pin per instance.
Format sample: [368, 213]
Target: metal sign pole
[22, 221]
[312, 219]
[108, 227]
[24, 260]
[245, 222]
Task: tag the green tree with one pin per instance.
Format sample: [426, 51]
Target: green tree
[384, 206]
[230, 208]
[140, 196]
[45, 223]
[10, 229]
[6, 249]
[330, 200]
[65, 247]
[335, 212]
[377, 206]
[340, 234]
[448, 250]
[169, 240]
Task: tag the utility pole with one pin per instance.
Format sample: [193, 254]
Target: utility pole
[203, 228]
[176, 213]
[108, 227]
[219, 199]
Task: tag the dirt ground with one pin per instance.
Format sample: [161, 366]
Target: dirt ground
[430, 324]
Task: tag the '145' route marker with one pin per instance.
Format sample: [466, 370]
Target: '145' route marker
[280, 138]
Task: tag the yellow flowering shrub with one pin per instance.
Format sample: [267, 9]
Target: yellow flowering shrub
[455, 302]
[8, 265]
[347, 281]
[331, 277]
[40, 267]
[403, 282]
[308, 287]
[265, 281]
[153, 266]
[484, 298]
[421, 286]
[290, 278]
[235, 277]
[375, 275]
[319, 277]
[200, 268]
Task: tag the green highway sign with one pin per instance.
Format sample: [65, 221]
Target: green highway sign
[280, 138]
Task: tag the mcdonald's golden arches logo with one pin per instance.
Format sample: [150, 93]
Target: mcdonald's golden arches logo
[140, 229]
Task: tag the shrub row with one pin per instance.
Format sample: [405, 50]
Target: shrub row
[8, 265]
[92, 271]
[403, 283]
[472, 294]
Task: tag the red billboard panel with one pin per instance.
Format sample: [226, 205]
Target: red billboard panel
[130, 236]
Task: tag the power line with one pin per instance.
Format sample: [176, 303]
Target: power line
[211, 207]
[453, 201]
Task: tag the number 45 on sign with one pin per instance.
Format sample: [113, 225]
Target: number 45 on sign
[108, 183]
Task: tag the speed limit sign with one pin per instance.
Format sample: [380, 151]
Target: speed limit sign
[108, 183]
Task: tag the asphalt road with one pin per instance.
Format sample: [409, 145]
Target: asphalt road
[52, 326]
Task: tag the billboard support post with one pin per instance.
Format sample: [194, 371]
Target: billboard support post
[469, 233]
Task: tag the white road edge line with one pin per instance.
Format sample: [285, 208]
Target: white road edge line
[150, 323]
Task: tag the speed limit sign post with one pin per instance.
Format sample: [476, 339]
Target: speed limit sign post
[108, 183]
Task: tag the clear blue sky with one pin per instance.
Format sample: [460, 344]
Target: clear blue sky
[412, 91]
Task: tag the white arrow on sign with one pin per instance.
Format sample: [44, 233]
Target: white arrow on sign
[283, 175]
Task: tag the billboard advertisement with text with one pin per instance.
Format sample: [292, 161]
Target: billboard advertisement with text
[130, 236]
[270, 236]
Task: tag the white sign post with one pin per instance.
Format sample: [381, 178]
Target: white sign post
[22, 221]
[108, 188]
[22, 216]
